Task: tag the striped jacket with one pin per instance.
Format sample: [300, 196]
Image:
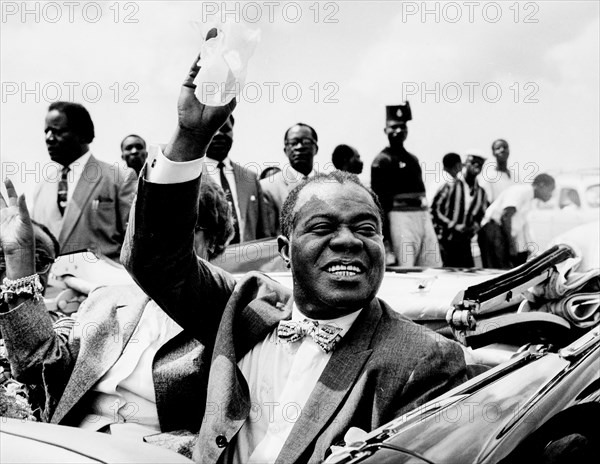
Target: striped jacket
[449, 207]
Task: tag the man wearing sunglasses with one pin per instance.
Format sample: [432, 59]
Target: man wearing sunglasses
[300, 147]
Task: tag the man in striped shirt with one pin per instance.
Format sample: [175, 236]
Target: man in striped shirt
[458, 208]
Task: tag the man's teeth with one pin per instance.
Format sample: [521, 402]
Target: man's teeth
[342, 270]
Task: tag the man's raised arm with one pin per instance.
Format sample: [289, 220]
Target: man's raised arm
[158, 250]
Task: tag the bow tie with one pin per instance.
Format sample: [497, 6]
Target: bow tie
[324, 335]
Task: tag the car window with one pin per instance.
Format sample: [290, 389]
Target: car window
[569, 198]
[592, 196]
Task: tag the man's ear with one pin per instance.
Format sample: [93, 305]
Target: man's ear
[283, 245]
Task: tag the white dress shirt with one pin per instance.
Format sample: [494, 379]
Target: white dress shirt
[281, 376]
[124, 397]
[76, 170]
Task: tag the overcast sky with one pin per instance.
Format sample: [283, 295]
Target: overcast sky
[473, 72]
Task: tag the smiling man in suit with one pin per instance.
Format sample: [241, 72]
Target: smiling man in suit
[85, 202]
[291, 371]
[241, 186]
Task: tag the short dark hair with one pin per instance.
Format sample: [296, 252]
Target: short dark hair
[287, 219]
[450, 160]
[50, 235]
[301, 124]
[341, 155]
[499, 140]
[78, 118]
[214, 217]
[544, 179]
[132, 135]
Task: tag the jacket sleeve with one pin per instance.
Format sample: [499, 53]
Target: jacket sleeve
[158, 253]
[38, 354]
[263, 229]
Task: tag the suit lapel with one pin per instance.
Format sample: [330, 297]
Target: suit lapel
[243, 193]
[101, 346]
[333, 386]
[84, 188]
[248, 318]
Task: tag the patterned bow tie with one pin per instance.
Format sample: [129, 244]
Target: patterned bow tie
[324, 335]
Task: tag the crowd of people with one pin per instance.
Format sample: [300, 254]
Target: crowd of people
[213, 366]
[86, 205]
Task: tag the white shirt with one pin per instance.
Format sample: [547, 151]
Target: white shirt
[161, 170]
[76, 170]
[211, 168]
[73, 176]
[281, 376]
[125, 396]
[494, 182]
[521, 198]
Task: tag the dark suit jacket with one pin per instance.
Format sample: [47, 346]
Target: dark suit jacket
[97, 214]
[251, 202]
[68, 368]
[383, 366]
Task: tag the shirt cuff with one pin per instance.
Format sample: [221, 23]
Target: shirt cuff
[161, 170]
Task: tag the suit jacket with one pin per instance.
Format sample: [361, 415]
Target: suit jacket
[384, 365]
[96, 216]
[251, 203]
[68, 368]
[276, 189]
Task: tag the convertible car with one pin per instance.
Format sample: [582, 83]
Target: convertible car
[24, 442]
[530, 335]
[537, 403]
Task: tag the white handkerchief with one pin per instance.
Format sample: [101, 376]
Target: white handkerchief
[224, 61]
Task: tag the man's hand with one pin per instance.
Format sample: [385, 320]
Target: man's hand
[197, 123]
[16, 234]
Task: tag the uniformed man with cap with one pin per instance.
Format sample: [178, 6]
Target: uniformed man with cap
[397, 179]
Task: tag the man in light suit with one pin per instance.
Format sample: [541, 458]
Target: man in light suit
[300, 147]
[241, 186]
[123, 366]
[275, 395]
[85, 202]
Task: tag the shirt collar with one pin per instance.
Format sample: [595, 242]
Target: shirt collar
[297, 176]
[214, 163]
[81, 161]
[343, 322]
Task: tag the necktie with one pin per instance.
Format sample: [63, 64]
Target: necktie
[63, 188]
[324, 335]
[229, 195]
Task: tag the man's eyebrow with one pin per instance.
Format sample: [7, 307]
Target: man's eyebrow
[361, 216]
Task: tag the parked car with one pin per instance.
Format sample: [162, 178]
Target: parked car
[541, 406]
